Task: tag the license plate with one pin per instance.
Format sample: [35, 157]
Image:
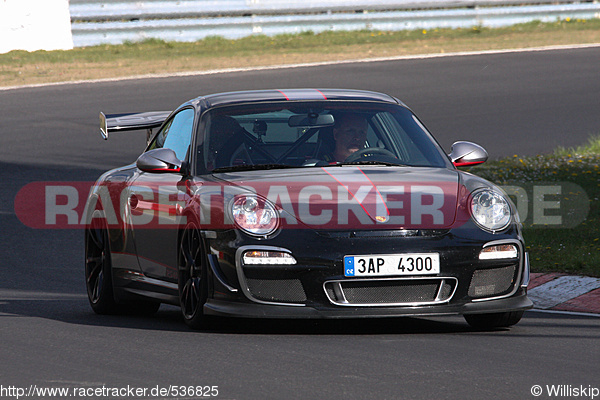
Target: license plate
[392, 265]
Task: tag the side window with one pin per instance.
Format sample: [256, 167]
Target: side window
[159, 141]
[177, 134]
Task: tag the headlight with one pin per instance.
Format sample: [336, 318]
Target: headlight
[254, 215]
[490, 210]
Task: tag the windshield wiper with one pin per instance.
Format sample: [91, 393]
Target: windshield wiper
[370, 162]
[252, 167]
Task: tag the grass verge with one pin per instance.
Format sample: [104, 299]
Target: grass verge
[155, 56]
[563, 235]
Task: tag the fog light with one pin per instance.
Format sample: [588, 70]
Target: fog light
[263, 257]
[499, 251]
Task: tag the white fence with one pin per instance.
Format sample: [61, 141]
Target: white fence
[95, 10]
[117, 21]
[25, 25]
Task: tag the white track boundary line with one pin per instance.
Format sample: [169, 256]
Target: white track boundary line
[574, 313]
[306, 65]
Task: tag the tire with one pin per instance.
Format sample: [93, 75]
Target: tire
[192, 277]
[98, 274]
[492, 321]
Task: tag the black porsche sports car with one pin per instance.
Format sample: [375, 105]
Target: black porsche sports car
[301, 203]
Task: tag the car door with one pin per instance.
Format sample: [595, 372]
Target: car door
[155, 200]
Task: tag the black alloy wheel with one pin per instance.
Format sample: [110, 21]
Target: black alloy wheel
[98, 266]
[192, 277]
[98, 274]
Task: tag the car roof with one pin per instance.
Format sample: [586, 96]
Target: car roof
[232, 98]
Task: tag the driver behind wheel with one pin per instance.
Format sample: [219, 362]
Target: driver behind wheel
[350, 135]
[227, 138]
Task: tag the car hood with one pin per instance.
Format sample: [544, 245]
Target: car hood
[357, 197]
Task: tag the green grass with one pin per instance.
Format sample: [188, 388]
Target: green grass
[308, 41]
[156, 56]
[573, 246]
[590, 149]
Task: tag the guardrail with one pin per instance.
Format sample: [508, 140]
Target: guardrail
[105, 21]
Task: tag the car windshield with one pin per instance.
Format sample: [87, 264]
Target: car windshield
[308, 134]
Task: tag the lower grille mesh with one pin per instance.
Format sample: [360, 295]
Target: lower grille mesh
[390, 292]
[492, 282]
[277, 290]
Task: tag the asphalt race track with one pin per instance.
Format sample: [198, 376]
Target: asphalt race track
[523, 103]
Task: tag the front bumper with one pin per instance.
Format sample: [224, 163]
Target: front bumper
[248, 310]
[315, 287]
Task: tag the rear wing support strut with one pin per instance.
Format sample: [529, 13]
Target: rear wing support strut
[132, 122]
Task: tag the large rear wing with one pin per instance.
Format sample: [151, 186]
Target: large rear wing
[131, 122]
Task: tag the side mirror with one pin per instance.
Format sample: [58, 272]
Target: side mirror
[467, 153]
[159, 160]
